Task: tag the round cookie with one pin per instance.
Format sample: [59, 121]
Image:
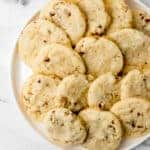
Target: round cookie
[121, 15]
[68, 16]
[72, 92]
[59, 60]
[104, 92]
[135, 47]
[104, 130]
[134, 114]
[141, 21]
[64, 128]
[97, 17]
[100, 55]
[136, 84]
[38, 95]
[35, 35]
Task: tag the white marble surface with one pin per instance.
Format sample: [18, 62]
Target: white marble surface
[15, 133]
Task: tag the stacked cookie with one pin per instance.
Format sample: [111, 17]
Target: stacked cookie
[91, 72]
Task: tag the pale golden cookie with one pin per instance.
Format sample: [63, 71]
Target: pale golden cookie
[104, 92]
[134, 114]
[72, 92]
[38, 95]
[135, 47]
[121, 15]
[136, 84]
[97, 17]
[100, 55]
[104, 130]
[141, 21]
[68, 16]
[59, 60]
[64, 128]
[37, 34]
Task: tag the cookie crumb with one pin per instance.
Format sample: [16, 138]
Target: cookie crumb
[47, 59]
[147, 20]
[52, 14]
[39, 81]
[44, 41]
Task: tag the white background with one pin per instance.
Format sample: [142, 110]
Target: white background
[15, 133]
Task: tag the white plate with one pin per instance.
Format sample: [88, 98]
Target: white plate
[19, 72]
